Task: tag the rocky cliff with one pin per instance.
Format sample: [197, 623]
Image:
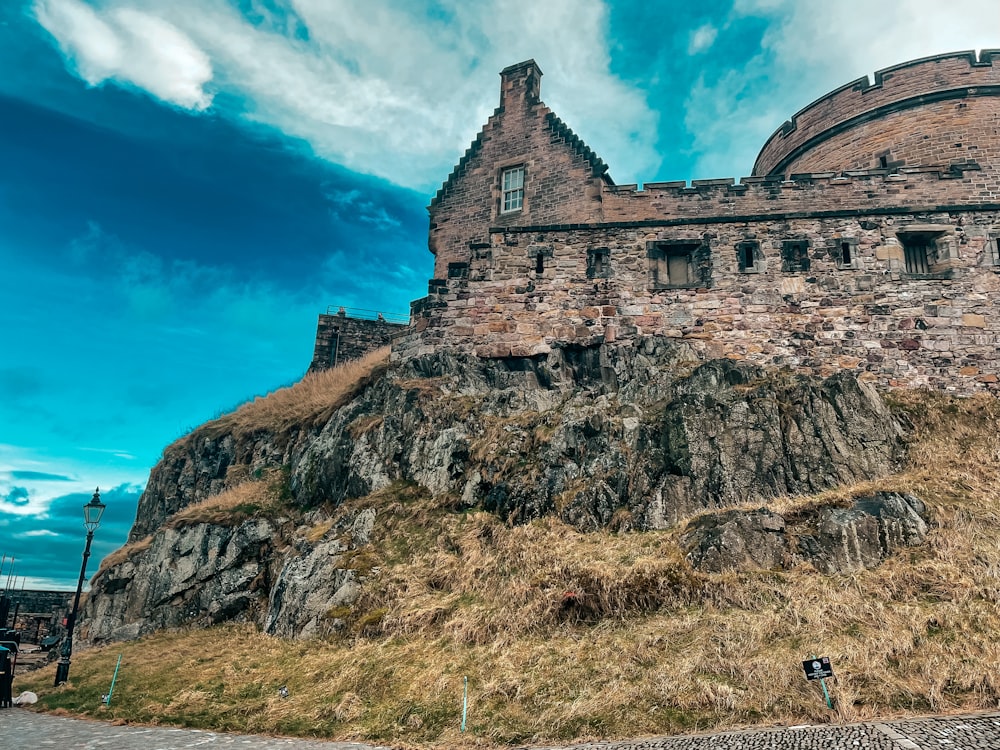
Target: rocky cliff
[636, 437]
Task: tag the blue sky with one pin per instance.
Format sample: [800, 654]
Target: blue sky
[184, 186]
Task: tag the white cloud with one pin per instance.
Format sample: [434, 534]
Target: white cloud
[129, 46]
[386, 88]
[811, 48]
[702, 38]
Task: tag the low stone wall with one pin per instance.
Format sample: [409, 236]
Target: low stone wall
[341, 338]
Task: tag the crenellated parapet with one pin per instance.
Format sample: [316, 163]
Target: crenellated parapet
[860, 110]
[929, 188]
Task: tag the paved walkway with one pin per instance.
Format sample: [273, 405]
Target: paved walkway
[21, 728]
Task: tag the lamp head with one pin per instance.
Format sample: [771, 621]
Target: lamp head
[93, 511]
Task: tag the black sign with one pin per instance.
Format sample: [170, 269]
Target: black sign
[818, 669]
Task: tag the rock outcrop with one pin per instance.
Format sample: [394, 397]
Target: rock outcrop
[633, 437]
[832, 539]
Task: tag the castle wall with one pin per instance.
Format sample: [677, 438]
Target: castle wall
[892, 273]
[951, 132]
[923, 188]
[863, 119]
[340, 338]
[940, 329]
[562, 179]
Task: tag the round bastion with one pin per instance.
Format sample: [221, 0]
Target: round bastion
[935, 111]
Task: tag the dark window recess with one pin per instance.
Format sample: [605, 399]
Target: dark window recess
[598, 265]
[794, 256]
[845, 254]
[458, 270]
[537, 255]
[883, 162]
[919, 251]
[747, 254]
[995, 250]
[679, 263]
[844, 251]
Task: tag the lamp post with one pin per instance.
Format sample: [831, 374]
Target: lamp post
[92, 512]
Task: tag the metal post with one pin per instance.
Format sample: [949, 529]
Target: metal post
[111, 690]
[465, 701]
[62, 668]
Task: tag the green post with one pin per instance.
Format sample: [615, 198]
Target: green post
[826, 693]
[107, 699]
[465, 700]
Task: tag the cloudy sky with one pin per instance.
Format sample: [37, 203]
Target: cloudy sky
[185, 185]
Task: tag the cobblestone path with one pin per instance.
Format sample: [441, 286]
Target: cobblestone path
[21, 728]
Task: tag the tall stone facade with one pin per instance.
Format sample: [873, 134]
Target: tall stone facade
[867, 239]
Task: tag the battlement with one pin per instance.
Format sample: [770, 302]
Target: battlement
[812, 194]
[918, 83]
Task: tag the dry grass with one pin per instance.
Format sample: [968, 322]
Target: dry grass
[308, 402]
[126, 552]
[260, 495]
[566, 635]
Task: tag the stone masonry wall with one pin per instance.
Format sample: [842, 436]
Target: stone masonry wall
[911, 84]
[340, 338]
[940, 329]
[563, 177]
[948, 132]
[867, 191]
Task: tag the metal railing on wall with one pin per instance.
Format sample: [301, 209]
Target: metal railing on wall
[363, 314]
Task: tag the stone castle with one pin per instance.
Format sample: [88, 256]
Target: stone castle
[867, 238]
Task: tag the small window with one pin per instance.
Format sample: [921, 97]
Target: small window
[748, 256]
[794, 256]
[673, 263]
[598, 265]
[513, 189]
[539, 263]
[994, 248]
[844, 251]
[919, 252]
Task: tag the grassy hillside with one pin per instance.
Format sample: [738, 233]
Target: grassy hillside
[566, 635]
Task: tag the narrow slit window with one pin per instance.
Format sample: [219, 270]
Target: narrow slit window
[539, 263]
[845, 253]
[748, 257]
[995, 247]
[513, 189]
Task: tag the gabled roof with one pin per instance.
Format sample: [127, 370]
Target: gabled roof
[552, 122]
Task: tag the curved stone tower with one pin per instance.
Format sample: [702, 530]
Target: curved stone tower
[940, 110]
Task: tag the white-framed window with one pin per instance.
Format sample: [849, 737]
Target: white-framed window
[512, 180]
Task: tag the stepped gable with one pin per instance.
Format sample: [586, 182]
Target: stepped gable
[934, 110]
[563, 131]
[459, 169]
[525, 166]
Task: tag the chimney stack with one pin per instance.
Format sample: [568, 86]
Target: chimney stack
[520, 83]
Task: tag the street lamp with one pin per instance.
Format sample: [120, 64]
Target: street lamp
[92, 512]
